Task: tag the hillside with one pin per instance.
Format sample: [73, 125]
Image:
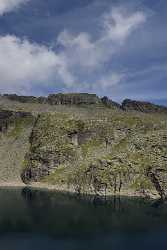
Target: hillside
[83, 143]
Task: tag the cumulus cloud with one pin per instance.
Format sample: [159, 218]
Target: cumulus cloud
[79, 59]
[88, 55]
[24, 64]
[9, 5]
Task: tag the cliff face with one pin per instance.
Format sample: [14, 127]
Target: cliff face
[109, 151]
[51, 146]
[73, 99]
[92, 150]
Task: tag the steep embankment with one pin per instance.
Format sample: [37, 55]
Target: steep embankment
[15, 129]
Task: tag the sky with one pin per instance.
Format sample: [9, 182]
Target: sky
[116, 48]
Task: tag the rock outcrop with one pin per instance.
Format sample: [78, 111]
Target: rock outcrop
[145, 107]
[109, 103]
[73, 99]
[57, 99]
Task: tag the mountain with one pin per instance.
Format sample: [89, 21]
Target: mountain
[145, 107]
[84, 143]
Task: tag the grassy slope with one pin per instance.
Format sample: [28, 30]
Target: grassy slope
[14, 144]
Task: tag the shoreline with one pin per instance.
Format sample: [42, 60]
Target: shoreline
[64, 189]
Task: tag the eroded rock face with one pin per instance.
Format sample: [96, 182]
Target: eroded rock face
[57, 99]
[73, 99]
[52, 145]
[146, 107]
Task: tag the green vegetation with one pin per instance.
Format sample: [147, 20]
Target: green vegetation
[19, 125]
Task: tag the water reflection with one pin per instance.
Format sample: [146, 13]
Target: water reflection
[54, 219]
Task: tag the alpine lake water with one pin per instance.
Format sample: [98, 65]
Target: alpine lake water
[32, 219]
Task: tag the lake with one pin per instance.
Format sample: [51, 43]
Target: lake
[33, 219]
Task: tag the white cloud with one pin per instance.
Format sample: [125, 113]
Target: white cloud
[24, 65]
[119, 24]
[79, 49]
[9, 5]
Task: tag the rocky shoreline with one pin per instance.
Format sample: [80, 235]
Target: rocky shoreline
[64, 189]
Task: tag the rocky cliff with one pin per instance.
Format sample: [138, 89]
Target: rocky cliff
[57, 99]
[99, 150]
[73, 99]
[108, 151]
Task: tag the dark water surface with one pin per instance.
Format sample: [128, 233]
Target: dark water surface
[38, 220]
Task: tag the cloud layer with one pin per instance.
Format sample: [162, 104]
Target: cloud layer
[78, 63]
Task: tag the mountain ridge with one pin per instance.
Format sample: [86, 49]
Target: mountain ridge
[88, 99]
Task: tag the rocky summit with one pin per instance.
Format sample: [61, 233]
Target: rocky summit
[84, 143]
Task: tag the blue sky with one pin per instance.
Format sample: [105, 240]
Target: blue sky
[116, 48]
